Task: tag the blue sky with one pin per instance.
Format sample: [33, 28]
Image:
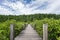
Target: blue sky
[20, 7]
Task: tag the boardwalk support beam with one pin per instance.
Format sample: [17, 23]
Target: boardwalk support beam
[11, 32]
[45, 31]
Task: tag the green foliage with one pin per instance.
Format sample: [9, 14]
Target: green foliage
[18, 21]
[5, 29]
[53, 28]
[58, 38]
[18, 28]
[28, 18]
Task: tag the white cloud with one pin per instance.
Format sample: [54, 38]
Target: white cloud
[53, 6]
[4, 11]
[21, 8]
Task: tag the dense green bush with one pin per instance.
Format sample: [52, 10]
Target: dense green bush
[5, 29]
[53, 28]
[18, 28]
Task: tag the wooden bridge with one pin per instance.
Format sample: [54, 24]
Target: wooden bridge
[28, 34]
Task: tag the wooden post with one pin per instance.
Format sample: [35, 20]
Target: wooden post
[45, 31]
[11, 32]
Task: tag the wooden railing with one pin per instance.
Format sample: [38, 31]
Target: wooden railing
[11, 32]
[45, 31]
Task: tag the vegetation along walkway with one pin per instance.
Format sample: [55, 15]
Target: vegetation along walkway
[28, 34]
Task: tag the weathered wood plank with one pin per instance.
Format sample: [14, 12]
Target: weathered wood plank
[28, 34]
[11, 32]
[45, 31]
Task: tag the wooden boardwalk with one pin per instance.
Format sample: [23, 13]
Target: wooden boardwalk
[28, 34]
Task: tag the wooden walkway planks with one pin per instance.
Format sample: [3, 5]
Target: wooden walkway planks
[28, 34]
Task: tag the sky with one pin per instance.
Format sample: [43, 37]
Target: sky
[20, 7]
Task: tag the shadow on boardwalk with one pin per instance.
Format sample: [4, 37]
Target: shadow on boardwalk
[28, 34]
